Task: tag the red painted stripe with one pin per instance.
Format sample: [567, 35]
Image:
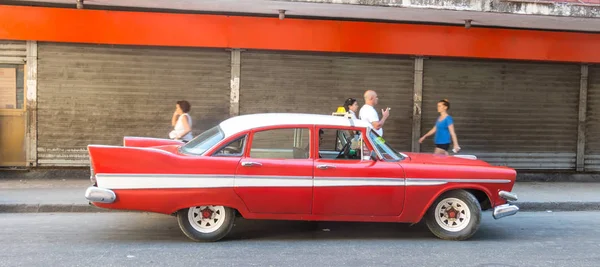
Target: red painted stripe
[161, 29]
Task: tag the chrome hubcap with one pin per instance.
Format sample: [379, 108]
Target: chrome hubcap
[206, 219]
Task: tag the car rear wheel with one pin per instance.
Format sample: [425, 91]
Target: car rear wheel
[455, 215]
[206, 223]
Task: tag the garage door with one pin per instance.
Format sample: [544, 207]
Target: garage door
[523, 115]
[592, 149]
[12, 52]
[319, 83]
[96, 94]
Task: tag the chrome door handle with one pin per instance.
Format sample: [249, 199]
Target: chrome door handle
[250, 164]
[325, 167]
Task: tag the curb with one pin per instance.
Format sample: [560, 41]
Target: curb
[51, 208]
[557, 177]
[558, 206]
[59, 208]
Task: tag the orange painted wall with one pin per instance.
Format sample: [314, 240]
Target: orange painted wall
[193, 30]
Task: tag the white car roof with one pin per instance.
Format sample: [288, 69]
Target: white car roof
[245, 122]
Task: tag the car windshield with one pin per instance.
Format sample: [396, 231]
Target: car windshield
[204, 141]
[388, 153]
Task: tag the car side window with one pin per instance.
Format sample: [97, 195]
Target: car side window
[234, 148]
[340, 144]
[287, 143]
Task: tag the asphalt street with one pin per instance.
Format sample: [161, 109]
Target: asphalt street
[142, 239]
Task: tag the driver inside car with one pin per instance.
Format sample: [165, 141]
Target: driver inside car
[352, 143]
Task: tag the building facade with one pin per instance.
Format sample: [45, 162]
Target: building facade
[526, 98]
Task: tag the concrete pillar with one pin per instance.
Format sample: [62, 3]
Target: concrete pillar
[31, 103]
[581, 125]
[417, 103]
[234, 99]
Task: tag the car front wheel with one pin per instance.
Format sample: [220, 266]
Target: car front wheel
[206, 223]
[455, 215]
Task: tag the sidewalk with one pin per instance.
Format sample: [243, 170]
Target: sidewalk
[45, 195]
[67, 195]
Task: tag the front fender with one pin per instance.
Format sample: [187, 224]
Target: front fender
[456, 187]
[420, 198]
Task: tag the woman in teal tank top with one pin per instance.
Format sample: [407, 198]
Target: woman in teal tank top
[443, 130]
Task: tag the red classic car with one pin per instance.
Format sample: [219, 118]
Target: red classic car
[296, 167]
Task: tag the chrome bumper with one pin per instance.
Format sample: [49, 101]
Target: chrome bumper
[102, 195]
[506, 209]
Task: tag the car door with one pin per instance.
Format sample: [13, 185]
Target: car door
[356, 184]
[275, 175]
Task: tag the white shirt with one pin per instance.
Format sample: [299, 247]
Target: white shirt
[179, 129]
[352, 115]
[369, 114]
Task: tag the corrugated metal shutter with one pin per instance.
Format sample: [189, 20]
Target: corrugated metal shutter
[13, 52]
[96, 94]
[13, 55]
[523, 115]
[319, 83]
[592, 148]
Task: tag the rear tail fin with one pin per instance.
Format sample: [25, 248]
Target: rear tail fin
[118, 159]
[131, 141]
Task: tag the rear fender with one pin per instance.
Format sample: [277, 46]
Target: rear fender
[155, 180]
[171, 200]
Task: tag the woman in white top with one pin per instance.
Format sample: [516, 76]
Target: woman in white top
[182, 127]
[351, 106]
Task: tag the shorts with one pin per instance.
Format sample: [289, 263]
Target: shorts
[443, 146]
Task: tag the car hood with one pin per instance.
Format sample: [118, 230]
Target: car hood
[437, 159]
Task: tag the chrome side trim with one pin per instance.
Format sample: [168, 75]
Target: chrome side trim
[358, 181]
[273, 177]
[423, 182]
[437, 181]
[504, 210]
[157, 175]
[266, 181]
[102, 195]
[508, 195]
